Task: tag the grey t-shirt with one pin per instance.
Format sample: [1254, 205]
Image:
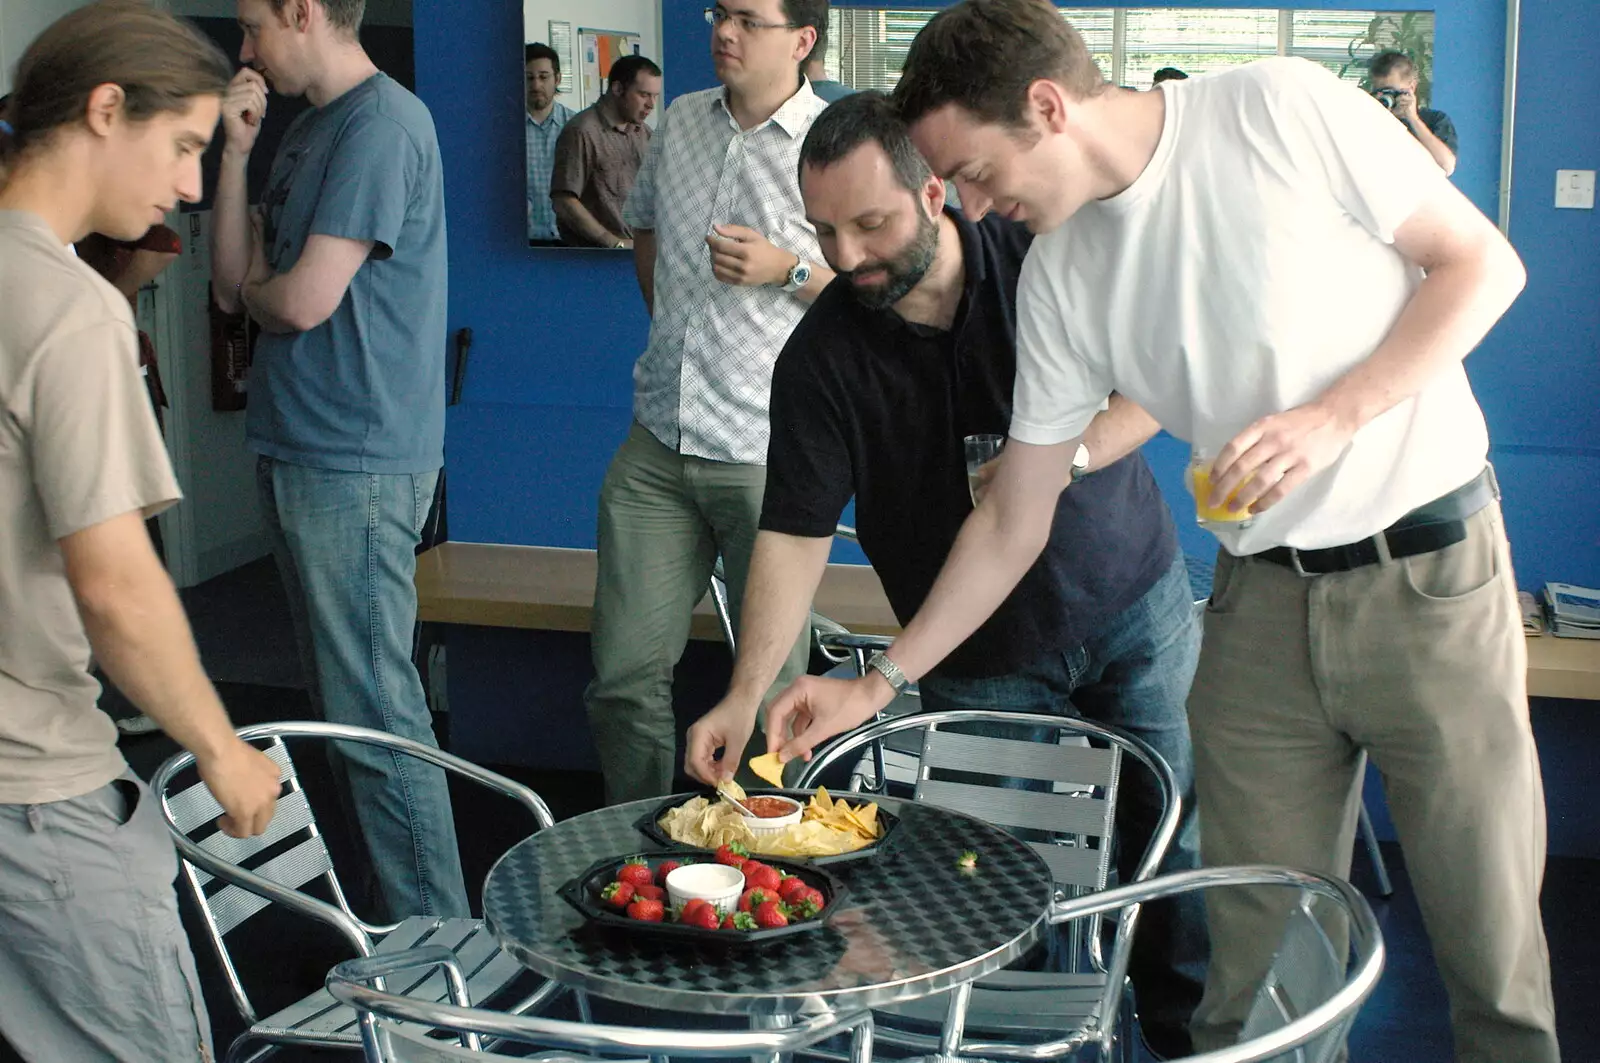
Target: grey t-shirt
[364, 390]
[78, 446]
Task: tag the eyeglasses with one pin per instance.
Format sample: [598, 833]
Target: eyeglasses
[716, 16]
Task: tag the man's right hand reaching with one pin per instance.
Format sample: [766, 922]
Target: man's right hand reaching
[243, 107]
[246, 783]
[728, 727]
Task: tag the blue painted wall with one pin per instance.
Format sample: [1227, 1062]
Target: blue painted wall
[556, 332]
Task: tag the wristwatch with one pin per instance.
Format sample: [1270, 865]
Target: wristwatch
[799, 276]
[879, 662]
[1080, 463]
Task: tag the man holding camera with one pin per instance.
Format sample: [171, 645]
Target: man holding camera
[1394, 83]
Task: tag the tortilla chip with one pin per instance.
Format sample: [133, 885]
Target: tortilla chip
[768, 767]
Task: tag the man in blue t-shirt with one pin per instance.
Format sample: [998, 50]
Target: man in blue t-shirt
[910, 350]
[344, 269]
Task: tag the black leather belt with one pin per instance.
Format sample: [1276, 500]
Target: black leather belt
[1440, 523]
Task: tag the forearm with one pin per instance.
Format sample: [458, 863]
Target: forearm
[578, 217]
[142, 639]
[1117, 431]
[1450, 313]
[231, 242]
[644, 266]
[996, 546]
[1437, 148]
[784, 573]
[268, 301]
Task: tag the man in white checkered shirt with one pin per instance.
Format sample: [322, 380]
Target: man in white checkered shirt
[728, 264]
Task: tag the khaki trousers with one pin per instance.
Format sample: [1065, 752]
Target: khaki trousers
[664, 519]
[1421, 662]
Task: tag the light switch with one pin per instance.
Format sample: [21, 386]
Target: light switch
[1575, 189]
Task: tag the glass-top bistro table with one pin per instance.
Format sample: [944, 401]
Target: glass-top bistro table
[913, 923]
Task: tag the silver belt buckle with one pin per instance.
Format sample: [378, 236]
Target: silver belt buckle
[1294, 563]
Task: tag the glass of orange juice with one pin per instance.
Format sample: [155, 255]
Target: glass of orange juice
[1200, 482]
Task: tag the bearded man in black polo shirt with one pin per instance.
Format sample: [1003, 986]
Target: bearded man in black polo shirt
[907, 352]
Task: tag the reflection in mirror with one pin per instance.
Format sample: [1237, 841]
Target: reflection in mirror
[592, 88]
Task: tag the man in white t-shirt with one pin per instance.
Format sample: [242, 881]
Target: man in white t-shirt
[1267, 262]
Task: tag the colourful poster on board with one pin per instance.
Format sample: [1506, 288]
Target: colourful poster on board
[598, 50]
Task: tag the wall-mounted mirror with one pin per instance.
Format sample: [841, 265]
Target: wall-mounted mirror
[592, 85]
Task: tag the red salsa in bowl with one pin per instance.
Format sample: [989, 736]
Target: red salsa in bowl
[771, 807]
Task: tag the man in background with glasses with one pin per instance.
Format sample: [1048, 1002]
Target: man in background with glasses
[727, 264]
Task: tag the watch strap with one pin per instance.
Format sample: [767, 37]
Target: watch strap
[879, 662]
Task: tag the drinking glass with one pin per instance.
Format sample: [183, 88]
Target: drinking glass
[981, 450]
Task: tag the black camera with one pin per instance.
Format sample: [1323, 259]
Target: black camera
[1389, 97]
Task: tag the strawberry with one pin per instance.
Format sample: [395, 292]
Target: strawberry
[788, 884]
[650, 893]
[806, 903]
[733, 854]
[761, 876]
[770, 916]
[636, 873]
[705, 917]
[617, 894]
[665, 868]
[738, 921]
[692, 903]
[754, 897]
[647, 911]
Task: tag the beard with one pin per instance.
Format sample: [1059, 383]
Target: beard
[902, 271]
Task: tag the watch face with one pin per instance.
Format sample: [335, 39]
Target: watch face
[800, 275]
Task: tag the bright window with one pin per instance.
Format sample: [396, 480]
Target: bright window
[867, 45]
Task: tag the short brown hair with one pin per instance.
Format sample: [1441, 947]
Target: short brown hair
[342, 14]
[160, 62]
[982, 55]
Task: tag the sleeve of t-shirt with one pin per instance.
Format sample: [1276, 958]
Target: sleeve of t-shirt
[367, 190]
[1440, 125]
[809, 472]
[574, 160]
[1373, 166]
[639, 212]
[95, 448]
[1058, 390]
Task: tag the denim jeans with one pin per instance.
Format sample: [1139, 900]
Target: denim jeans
[1134, 675]
[346, 547]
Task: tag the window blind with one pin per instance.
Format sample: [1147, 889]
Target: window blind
[867, 46]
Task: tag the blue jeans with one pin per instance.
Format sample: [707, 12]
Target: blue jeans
[346, 547]
[1134, 675]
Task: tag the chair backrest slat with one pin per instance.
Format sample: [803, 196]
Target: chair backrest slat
[1076, 865]
[195, 807]
[232, 905]
[1083, 766]
[292, 814]
[1022, 809]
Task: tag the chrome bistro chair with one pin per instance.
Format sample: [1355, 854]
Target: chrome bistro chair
[1070, 825]
[1306, 1004]
[234, 879]
[394, 1028]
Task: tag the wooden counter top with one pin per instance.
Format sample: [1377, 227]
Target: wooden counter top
[552, 589]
